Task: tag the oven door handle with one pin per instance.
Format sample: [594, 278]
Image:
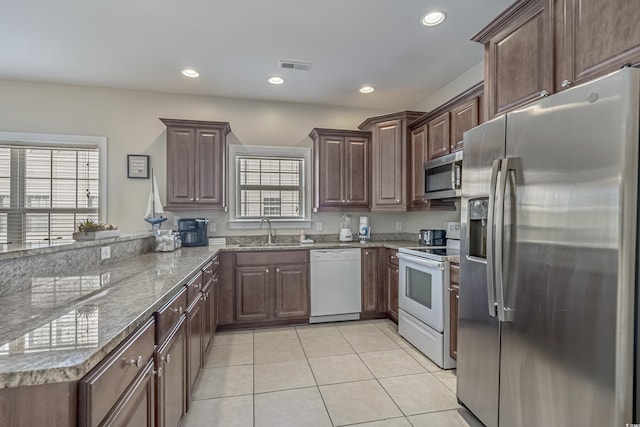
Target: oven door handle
[421, 261]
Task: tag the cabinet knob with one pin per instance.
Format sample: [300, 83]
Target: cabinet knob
[397, 271]
[343, 201]
[266, 270]
[544, 93]
[565, 83]
[457, 296]
[197, 198]
[134, 362]
[158, 372]
[366, 252]
[277, 270]
[177, 310]
[398, 200]
[167, 358]
[192, 199]
[450, 289]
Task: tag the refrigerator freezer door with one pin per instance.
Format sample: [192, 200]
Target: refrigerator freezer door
[478, 331]
[570, 227]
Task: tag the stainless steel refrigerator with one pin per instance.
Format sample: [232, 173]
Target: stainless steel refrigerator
[548, 282]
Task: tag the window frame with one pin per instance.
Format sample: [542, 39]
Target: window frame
[59, 141]
[235, 150]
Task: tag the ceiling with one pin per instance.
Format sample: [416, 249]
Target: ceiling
[237, 44]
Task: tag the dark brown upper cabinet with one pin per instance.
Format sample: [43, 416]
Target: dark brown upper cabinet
[390, 159]
[196, 164]
[341, 170]
[537, 47]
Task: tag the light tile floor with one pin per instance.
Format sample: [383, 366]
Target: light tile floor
[350, 373]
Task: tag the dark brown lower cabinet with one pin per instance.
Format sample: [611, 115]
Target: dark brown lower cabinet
[292, 291]
[137, 406]
[373, 286]
[392, 284]
[271, 287]
[120, 388]
[194, 344]
[171, 389]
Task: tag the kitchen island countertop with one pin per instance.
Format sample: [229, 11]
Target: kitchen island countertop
[63, 326]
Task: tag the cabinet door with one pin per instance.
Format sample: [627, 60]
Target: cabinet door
[331, 173]
[520, 60]
[453, 322]
[600, 36]
[392, 280]
[439, 136]
[137, 406]
[253, 296]
[370, 280]
[210, 170]
[194, 347]
[356, 172]
[463, 118]
[171, 359]
[419, 155]
[181, 155]
[392, 283]
[291, 291]
[388, 166]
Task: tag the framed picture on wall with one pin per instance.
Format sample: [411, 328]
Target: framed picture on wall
[137, 166]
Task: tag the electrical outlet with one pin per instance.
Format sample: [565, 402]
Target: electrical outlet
[318, 226]
[398, 226]
[176, 218]
[105, 252]
[212, 226]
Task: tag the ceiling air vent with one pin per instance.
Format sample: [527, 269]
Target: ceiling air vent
[295, 65]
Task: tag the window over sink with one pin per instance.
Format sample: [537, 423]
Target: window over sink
[269, 182]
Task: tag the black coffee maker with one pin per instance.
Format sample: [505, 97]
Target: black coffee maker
[193, 231]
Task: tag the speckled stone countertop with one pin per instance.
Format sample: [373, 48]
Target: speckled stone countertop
[61, 327]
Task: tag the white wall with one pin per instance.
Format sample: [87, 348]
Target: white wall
[458, 85]
[129, 119]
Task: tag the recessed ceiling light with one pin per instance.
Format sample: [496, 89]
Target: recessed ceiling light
[276, 80]
[433, 18]
[190, 72]
[366, 89]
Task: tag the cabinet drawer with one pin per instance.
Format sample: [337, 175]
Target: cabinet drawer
[169, 315]
[102, 387]
[272, 257]
[193, 288]
[454, 275]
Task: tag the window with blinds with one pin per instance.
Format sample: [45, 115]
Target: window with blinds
[270, 186]
[45, 191]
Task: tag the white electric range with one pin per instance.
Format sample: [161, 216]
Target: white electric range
[423, 316]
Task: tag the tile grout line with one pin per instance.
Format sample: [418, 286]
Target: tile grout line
[315, 379]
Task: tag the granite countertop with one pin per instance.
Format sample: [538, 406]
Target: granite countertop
[62, 327]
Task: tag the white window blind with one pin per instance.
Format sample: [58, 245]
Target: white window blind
[46, 191]
[270, 186]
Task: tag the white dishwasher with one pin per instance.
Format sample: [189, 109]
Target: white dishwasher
[335, 285]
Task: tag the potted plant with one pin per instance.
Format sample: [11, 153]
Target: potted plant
[92, 230]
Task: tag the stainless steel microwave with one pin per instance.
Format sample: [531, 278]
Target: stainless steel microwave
[443, 177]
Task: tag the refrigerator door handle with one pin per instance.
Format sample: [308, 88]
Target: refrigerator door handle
[491, 268]
[504, 313]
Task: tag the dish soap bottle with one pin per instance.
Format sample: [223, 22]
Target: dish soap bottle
[302, 236]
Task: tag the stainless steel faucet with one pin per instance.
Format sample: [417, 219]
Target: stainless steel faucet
[269, 236]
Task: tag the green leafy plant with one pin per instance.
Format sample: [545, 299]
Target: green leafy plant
[89, 225]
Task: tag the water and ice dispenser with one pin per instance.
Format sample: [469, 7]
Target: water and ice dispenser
[478, 213]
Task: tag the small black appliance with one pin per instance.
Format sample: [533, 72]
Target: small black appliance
[433, 237]
[193, 231]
